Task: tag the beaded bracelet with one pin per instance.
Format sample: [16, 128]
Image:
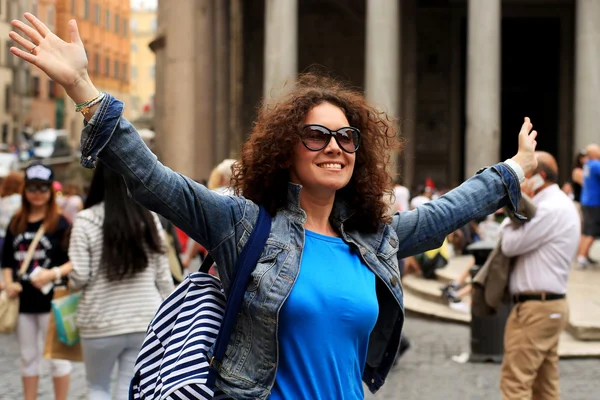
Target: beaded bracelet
[85, 106]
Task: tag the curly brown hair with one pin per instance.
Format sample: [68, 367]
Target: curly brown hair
[262, 174]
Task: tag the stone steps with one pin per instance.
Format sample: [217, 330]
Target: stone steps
[583, 294]
[424, 288]
[418, 305]
[455, 267]
[569, 346]
[582, 337]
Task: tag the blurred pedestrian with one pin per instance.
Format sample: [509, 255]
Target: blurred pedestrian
[423, 197]
[220, 182]
[590, 205]
[577, 175]
[398, 198]
[118, 257]
[318, 161]
[71, 202]
[544, 249]
[220, 177]
[36, 242]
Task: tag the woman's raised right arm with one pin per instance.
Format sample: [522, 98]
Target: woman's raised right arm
[207, 217]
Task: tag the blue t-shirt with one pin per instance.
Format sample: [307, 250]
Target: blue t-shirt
[590, 193]
[325, 323]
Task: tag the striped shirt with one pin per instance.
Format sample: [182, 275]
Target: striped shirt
[117, 307]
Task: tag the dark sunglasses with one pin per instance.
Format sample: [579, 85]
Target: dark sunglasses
[37, 188]
[316, 137]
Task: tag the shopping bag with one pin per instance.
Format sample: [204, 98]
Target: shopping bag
[65, 313]
[54, 348]
[9, 313]
[57, 350]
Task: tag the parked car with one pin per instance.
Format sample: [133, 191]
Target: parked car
[50, 143]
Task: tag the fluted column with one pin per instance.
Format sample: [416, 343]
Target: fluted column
[482, 144]
[382, 55]
[382, 71]
[180, 77]
[587, 73]
[281, 45]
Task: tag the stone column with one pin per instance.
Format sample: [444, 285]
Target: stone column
[183, 107]
[203, 129]
[382, 80]
[482, 142]
[236, 76]
[221, 66]
[158, 46]
[408, 89]
[281, 45]
[587, 73]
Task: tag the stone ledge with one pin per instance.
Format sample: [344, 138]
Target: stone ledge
[432, 309]
[583, 295]
[426, 289]
[456, 266]
[569, 346]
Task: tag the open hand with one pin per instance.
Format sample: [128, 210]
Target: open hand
[65, 63]
[526, 155]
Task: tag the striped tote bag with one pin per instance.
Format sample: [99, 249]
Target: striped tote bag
[173, 361]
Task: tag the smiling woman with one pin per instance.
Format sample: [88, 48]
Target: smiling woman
[325, 299]
[294, 137]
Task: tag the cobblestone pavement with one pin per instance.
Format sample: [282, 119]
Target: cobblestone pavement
[426, 372]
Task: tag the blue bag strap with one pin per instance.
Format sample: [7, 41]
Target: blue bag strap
[244, 266]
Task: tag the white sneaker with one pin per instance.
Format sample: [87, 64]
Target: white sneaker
[582, 263]
[461, 306]
[581, 267]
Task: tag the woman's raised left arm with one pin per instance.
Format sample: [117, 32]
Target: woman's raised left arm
[425, 227]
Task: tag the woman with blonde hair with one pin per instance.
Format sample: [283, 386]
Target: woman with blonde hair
[220, 177]
[220, 182]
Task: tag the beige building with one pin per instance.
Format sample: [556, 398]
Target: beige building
[105, 32]
[143, 26]
[28, 96]
[459, 74]
[6, 74]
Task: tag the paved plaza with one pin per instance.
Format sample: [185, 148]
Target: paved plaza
[426, 372]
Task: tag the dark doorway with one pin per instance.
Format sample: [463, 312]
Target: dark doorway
[530, 81]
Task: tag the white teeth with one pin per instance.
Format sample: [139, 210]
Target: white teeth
[330, 166]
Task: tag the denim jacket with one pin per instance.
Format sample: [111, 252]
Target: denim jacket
[222, 224]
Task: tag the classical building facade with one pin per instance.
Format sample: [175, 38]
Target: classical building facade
[29, 97]
[6, 73]
[459, 75]
[142, 60]
[105, 32]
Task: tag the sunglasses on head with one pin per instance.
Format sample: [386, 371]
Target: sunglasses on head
[37, 188]
[316, 137]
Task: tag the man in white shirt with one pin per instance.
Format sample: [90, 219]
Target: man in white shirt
[544, 249]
